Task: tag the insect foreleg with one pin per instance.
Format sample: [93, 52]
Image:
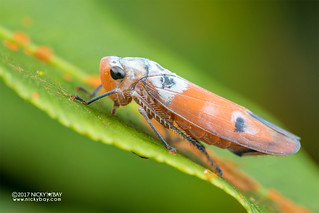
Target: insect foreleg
[75, 97]
[168, 147]
[88, 93]
[115, 107]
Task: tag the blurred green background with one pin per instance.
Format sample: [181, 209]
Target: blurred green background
[265, 51]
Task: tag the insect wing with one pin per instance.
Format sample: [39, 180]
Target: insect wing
[218, 116]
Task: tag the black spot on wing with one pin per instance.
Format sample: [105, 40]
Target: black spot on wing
[167, 82]
[240, 125]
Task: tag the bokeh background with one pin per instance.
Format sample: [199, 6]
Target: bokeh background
[266, 51]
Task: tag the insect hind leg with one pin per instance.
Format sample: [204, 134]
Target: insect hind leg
[202, 148]
[168, 147]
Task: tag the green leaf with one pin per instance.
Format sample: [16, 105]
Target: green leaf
[49, 83]
[51, 93]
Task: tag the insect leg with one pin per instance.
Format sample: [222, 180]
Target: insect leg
[88, 93]
[115, 107]
[168, 147]
[75, 97]
[202, 148]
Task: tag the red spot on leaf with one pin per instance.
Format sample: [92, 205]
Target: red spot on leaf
[43, 53]
[21, 37]
[35, 95]
[11, 45]
[67, 77]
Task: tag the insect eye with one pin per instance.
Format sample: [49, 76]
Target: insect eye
[117, 73]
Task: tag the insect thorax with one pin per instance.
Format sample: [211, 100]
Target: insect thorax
[152, 107]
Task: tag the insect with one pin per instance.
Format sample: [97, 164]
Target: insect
[191, 111]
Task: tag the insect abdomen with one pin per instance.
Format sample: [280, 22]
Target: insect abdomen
[202, 135]
[212, 139]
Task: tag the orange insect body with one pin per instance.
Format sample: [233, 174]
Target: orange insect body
[193, 112]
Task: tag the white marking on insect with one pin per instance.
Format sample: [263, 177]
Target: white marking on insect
[156, 69]
[173, 85]
[133, 63]
[114, 61]
[209, 109]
